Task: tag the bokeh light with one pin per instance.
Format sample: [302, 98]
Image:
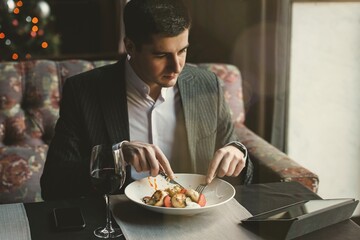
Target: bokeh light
[15, 56]
[44, 44]
[35, 28]
[19, 3]
[15, 23]
[35, 20]
[16, 10]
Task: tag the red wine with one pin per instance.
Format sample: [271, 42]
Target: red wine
[106, 181]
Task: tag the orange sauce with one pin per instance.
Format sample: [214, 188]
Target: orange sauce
[156, 186]
[153, 184]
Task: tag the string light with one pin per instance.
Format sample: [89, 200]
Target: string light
[35, 28]
[44, 44]
[15, 56]
[25, 26]
[16, 10]
[35, 20]
[19, 4]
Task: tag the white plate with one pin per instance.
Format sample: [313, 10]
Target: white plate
[216, 193]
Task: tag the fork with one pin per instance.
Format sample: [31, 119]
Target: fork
[200, 188]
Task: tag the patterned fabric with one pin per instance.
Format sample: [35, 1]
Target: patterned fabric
[29, 107]
[232, 84]
[273, 165]
[20, 171]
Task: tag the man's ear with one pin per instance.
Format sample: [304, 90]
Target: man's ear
[129, 46]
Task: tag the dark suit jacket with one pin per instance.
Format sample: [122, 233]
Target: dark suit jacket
[93, 111]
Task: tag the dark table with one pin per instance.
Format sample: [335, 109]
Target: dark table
[256, 198]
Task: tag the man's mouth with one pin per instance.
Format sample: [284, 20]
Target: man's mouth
[170, 77]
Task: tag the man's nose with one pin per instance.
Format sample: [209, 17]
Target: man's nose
[175, 64]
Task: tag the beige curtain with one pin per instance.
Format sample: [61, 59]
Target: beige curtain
[262, 54]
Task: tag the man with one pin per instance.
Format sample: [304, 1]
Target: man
[167, 115]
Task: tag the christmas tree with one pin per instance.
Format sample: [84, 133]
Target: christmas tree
[26, 30]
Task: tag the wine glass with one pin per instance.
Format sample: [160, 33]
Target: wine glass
[107, 171]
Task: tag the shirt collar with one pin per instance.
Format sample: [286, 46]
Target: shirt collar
[140, 86]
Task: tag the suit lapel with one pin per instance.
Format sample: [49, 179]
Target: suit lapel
[114, 105]
[187, 90]
[113, 101]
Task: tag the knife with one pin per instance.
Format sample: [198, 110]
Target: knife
[163, 174]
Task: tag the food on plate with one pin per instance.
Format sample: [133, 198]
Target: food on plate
[194, 195]
[157, 199]
[178, 200]
[176, 197]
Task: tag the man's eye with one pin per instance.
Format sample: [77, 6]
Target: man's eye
[159, 55]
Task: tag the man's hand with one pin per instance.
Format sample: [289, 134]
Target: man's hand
[146, 157]
[227, 161]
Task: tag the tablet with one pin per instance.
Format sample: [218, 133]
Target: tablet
[302, 217]
[300, 209]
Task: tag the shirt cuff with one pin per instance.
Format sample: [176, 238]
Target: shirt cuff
[117, 150]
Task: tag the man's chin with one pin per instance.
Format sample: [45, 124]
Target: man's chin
[169, 83]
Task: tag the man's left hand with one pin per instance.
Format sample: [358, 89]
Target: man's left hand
[227, 161]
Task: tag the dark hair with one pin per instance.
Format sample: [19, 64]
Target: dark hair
[144, 18]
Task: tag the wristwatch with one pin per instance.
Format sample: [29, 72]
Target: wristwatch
[241, 147]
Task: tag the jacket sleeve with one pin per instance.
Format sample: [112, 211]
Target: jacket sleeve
[65, 172]
[226, 134]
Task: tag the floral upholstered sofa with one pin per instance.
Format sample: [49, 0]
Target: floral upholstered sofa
[29, 106]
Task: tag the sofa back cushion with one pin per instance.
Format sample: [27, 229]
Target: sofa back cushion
[29, 98]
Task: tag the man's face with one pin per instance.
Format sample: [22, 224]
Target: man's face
[159, 63]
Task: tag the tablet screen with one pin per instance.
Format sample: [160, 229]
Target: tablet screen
[299, 209]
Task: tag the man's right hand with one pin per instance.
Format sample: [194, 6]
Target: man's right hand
[146, 157]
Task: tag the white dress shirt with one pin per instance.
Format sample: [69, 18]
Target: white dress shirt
[154, 121]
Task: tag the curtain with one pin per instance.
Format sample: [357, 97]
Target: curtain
[281, 58]
[120, 8]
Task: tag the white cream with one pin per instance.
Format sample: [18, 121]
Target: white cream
[191, 204]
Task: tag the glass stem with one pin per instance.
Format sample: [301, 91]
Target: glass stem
[108, 214]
